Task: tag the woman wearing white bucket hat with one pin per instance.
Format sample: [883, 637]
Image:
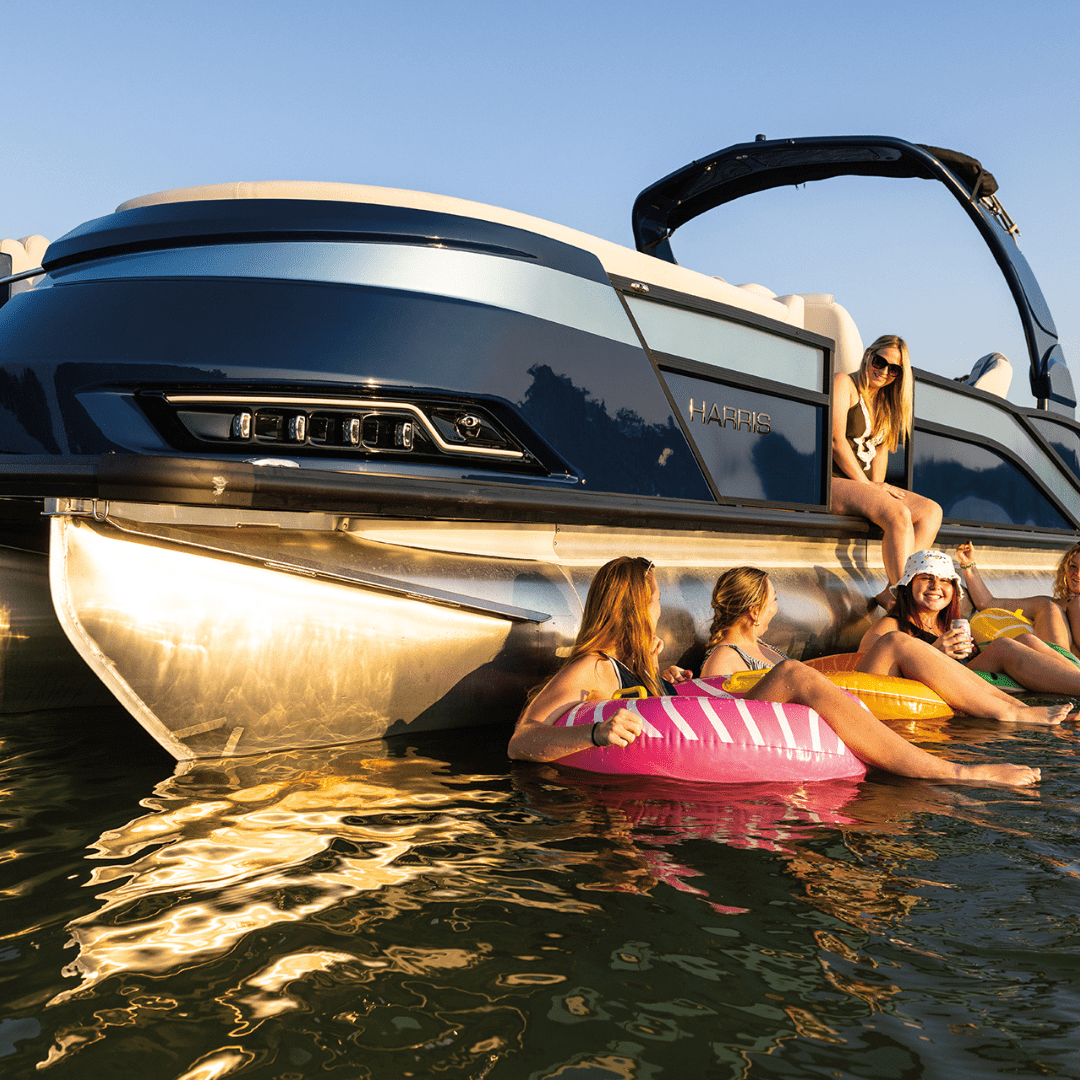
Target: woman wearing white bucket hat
[928, 602]
[744, 602]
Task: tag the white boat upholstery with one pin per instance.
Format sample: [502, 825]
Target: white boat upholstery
[823, 315]
[26, 254]
[793, 301]
[992, 373]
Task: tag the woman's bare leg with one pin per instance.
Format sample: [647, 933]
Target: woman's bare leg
[961, 688]
[1049, 622]
[868, 738]
[1022, 659]
[925, 520]
[1072, 613]
[892, 515]
[1039, 644]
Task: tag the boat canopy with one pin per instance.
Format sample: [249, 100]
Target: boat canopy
[747, 168]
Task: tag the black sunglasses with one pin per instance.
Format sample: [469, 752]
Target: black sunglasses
[880, 364]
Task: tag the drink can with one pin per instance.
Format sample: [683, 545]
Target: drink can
[964, 626]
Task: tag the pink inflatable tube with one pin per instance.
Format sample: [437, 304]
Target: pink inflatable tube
[718, 739]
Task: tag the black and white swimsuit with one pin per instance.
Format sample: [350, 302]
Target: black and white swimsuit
[752, 663]
[863, 441]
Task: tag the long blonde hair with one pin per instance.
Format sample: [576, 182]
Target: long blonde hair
[736, 591]
[616, 618]
[1061, 578]
[892, 404]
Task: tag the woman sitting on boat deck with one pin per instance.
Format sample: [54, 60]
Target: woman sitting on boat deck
[871, 417]
[928, 600]
[617, 646]
[744, 602]
[1055, 619]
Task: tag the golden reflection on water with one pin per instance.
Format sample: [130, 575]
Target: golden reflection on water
[226, 854]
[251, 860]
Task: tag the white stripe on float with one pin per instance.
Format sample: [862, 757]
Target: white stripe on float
[688, 732]
[709, 710]
[748, 720]
[586, 713]
[815, 731]
[713, 691]
[631, 705]
[785, 727]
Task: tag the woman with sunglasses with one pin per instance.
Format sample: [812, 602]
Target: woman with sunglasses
[871, 417]
[617, 647]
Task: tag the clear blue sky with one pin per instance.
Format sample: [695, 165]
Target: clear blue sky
[567, 110]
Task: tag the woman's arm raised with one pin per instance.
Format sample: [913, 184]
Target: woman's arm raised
[981, 596]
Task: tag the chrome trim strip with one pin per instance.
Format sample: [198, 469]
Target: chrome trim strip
[539, 291]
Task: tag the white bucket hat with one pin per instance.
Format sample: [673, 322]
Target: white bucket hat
[930, 562]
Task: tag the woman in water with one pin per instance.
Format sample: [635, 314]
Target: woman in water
[871, 417]
[744, 602]
[1055, 619]
[617, 646]
[927, 602]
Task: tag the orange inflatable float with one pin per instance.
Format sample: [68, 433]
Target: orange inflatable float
[888, 697]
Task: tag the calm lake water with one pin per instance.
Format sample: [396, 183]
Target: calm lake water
[424, 908]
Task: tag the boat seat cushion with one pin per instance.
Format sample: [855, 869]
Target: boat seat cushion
[26, 254]
[823, 315]
[992, 373]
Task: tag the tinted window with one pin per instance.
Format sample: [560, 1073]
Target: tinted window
[974, 483]
[755, 445]
[720, 343]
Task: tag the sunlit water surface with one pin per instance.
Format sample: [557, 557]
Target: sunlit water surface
[423, 908]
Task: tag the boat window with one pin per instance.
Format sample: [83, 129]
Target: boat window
[1064, 438]
[963, 412]
[756, 445]
[977, 484]
[724, 344]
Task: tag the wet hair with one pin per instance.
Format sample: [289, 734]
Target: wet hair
[892, 407]
[1061, 578]
[616, 618]
[736, 591]
[904, 610]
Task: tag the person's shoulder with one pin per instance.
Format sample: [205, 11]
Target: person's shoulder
[588, 666]
[723, 660]
[844, 386]
[570, 685]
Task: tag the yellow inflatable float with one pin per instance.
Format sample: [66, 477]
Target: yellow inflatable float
[887, 697]
[992, 623]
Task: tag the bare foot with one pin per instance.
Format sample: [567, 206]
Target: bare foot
[1047, 715]
[1013, 775]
